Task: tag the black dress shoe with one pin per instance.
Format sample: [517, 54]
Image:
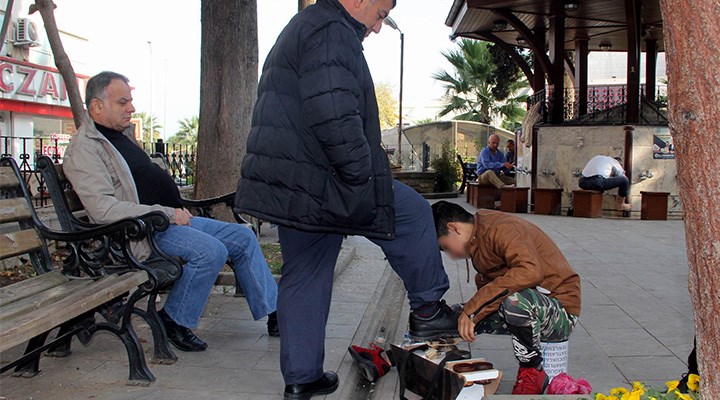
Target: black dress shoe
[272, 324]
[442, 324]
[325, 385]
[181, 337]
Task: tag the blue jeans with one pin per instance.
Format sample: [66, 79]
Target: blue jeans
[205, 246]
[307, 280]
[602, 184]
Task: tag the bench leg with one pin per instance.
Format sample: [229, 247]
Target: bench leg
[139, 373]
[462, 185]
[32, 366]
[62, 347]
[163, 354]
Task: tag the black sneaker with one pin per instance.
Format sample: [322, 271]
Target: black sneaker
[442, 324]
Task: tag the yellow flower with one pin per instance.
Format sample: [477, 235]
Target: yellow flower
[672, 385]
[619, 391]
[637, 391]
[601, 396]
[683, 396]
[693, 382]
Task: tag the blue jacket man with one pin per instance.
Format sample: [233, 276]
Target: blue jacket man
[492, 167]
[316, 167]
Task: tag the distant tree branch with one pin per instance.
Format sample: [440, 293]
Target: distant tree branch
[62, 61]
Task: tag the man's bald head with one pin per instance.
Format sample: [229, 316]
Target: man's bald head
[494, 142]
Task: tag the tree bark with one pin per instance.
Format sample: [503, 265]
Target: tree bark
[62, 61]
[304, 3]
[6, 22]
[692, 42]
[229, 74]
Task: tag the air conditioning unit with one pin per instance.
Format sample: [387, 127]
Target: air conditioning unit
[26, 33]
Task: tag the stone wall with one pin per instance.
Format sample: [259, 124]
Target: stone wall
[563, 152]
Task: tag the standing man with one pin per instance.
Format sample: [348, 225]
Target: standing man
[604, 173]
[316, 167]
[492, 167]
[116, 179]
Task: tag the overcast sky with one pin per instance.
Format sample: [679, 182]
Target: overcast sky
[119, 34]
[119, 31]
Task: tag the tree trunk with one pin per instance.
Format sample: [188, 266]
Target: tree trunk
[692, 42]
[304, 3]
[6, 21]
[229, 75]
[62, 61]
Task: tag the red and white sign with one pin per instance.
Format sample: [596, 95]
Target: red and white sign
[32, 83]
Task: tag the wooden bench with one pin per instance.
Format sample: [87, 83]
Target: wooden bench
[514, 199]
[654, 206]
[482, 196]
[587, 203]
[469, 173]
[100, 278]
[548, 201]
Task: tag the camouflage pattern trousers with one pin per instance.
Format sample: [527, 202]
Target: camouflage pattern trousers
[529, 317]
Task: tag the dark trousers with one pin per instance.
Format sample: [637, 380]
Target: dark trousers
[602, 184]
[307, 277]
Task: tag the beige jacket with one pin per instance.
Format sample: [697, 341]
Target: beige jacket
[102, 179]
[511, 254]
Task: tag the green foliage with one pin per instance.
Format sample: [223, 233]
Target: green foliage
[147, 137]
[424, 121]
[446, 169]
[188, 132]
[387, 105]
[482, 87]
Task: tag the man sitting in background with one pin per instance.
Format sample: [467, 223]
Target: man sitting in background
[604, 173]
[115, 179]
[492, 167]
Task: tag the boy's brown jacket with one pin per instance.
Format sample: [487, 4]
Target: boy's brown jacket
[510, 254]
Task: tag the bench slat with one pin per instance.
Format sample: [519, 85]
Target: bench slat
[21, 328]
[29, 287]
[8, 180]
[12, 210]
[72, 198]
[20, 242]
[42, 299]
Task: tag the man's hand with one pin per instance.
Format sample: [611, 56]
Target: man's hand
[182, 216]
[466, 328]
[508, 165]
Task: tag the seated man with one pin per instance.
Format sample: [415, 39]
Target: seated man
[510, 156]
[604, 173]
[525, 285]
[492, 168]
[115, 179]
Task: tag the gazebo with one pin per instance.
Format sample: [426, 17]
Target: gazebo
[560, 34]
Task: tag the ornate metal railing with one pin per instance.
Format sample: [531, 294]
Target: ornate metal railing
[602, 98]
[179, 159]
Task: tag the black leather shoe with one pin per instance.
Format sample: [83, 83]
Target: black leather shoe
[442, 324]
[181, 337]
[325, 385]
[272, 324]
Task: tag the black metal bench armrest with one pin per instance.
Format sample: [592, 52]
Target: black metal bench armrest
[227, 199]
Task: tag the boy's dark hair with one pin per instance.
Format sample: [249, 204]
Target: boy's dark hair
[445, 212]
[618, 159]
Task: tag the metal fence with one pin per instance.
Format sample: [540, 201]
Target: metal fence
[603, 98]
[178, 160]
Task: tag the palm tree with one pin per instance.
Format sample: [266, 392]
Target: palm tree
[469, 89]
[188, 132]
[146, 128]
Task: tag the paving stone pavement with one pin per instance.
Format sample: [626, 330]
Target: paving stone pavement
[636, 324]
